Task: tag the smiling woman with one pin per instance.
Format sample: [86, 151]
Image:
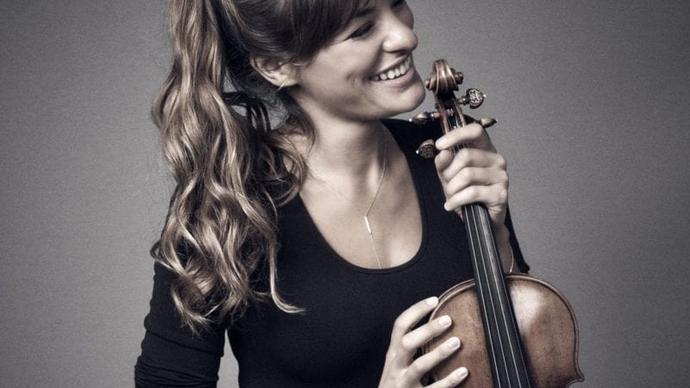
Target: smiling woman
[319, 245]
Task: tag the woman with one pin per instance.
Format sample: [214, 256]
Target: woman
[319, 246]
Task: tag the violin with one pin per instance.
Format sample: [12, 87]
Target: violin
[516, 330]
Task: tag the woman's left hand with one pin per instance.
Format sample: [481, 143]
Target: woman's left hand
[475, 174]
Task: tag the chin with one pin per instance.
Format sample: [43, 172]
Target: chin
[411, 99]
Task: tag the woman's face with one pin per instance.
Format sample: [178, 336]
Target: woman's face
[366, 73]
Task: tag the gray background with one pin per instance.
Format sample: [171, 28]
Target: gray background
[592, 102]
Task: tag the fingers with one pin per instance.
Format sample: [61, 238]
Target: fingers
[475, 176]
[401, 369]
[454, 378]
[494, 196]
[448, 165]
[473, 134]
[428, 361]
[424, 333]
[406, 321]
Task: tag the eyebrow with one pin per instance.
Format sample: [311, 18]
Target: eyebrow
[364, 11]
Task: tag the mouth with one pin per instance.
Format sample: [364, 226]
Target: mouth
[395, 72]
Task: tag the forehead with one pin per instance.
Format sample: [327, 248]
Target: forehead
[367, 7]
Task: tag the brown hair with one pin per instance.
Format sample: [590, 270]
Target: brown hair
[228, 165]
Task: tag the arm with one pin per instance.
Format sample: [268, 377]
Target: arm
[509, 248]
[171, 355]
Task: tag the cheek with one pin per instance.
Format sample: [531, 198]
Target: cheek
[348, 70]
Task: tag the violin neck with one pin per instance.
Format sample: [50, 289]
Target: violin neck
[500, 329]
[508, 367]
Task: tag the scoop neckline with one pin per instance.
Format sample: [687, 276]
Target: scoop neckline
[413, 169]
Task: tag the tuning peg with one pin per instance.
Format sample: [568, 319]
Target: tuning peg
[487, 122]
[424, 117]
[473, 97]
[427, 149]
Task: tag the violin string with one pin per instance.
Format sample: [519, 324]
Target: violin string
[497, 292]
[475, 245]
[491, 272]
[495, 295]
[496, 273]
[482, 285]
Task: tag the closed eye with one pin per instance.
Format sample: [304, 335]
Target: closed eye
[362, 31]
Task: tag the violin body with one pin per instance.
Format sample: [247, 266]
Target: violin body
[545, 321]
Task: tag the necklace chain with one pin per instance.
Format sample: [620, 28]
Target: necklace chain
[365, 217]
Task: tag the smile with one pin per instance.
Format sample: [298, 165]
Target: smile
[394, 73]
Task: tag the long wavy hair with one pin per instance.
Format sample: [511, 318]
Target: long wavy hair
[232, 171]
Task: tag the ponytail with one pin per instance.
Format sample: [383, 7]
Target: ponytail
[220, 230]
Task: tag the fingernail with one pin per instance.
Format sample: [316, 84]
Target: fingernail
[444, 321]
[445, 206]
[441, 143]
[453, 343]
[432, 301]
[460, 373]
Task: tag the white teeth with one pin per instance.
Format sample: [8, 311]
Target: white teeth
[394, 73]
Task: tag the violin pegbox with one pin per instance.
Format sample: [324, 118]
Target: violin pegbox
[443, 81]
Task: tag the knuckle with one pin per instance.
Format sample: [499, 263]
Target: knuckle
[447, 189]
[447, 174]
[468, 174]
[400, 324]
[501, 162]
[415, 370]
[442, 159]
[463, 155]
[472, 193]
[452, 186]
[407, 343]
[438, 160]
[429, 331]
[391, 355]
[502, 195]
[476, 130]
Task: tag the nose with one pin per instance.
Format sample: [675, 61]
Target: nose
[400, 36]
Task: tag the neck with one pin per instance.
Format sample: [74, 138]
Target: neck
[349, 151]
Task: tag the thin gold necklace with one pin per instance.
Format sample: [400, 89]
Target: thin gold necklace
[365, 217]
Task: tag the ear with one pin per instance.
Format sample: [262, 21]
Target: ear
[280, 74]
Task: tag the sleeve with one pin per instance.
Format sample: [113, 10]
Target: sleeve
[171, 354]
[517, 252]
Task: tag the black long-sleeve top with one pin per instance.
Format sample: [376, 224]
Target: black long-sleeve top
[342, 338]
